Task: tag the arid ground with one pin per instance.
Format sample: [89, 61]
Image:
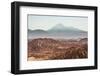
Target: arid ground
[53, 49]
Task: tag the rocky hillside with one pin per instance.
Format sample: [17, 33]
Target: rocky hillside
[47, 48]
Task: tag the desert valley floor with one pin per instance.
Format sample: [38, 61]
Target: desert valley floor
[53, 49]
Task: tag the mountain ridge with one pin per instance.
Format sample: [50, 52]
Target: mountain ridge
[59, 27]
[57, 31]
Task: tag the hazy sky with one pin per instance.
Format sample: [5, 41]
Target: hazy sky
[46, 22]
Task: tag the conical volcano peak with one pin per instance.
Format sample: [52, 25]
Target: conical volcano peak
[62, 28]
[60, 25]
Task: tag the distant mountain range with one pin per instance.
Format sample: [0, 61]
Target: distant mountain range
[61, 27]
[58, 31]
